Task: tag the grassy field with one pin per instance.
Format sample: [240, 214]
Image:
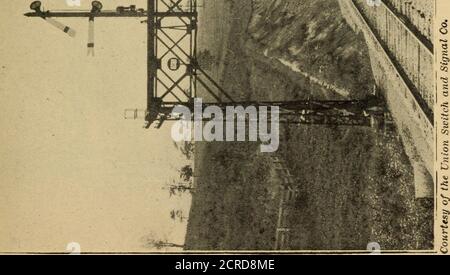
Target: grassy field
[356, 184]
[356, 188]
[232, 207]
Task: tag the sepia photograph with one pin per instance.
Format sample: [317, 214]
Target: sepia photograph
[224, 126]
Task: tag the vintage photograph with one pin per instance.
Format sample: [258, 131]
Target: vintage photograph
[173, 126]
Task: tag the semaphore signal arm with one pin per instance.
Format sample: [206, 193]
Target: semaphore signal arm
[174, 75]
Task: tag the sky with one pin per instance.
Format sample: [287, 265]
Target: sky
[71, 168]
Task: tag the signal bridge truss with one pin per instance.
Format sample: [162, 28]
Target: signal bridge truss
[174, 75]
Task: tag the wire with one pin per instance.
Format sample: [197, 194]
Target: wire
[79, 10]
